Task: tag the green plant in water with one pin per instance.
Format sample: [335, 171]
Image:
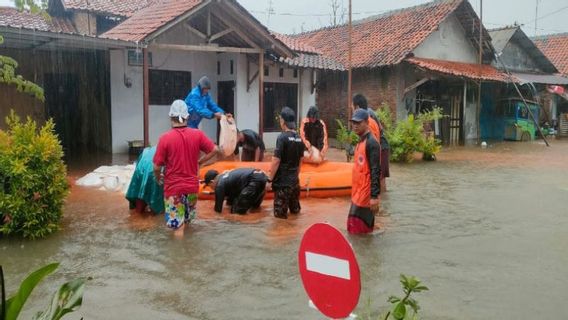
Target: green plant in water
[407, 136]
[347, 139]
[33, 179]
[67, 299]
[402, 308]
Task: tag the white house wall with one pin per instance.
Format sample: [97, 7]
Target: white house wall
[449, 42]
[127, 103]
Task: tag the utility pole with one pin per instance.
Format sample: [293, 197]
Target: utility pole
[480, 71]
[349, 71]
[536, 18]
[269, 12]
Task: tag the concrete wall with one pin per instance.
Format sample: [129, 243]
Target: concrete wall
[127, 104]
[516, 58]
[448, 43]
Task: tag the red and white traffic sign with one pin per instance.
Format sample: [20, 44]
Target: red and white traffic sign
[329, 271]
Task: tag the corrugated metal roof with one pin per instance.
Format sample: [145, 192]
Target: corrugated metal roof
[541, 78]
[502, 37]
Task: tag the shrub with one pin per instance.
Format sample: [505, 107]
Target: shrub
[33, 183]
[407, 136]
[347, 138]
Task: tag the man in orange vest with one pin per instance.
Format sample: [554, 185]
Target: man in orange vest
[365, 188]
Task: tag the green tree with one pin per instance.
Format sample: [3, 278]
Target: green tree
[8, 65]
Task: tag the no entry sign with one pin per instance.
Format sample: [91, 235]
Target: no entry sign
[329, 271]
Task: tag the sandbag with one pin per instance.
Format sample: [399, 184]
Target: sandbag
[313, 157]
[227, 136]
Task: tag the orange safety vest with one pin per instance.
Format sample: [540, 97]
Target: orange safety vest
[361, 183]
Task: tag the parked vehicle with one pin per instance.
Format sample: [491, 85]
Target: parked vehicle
[518, 123]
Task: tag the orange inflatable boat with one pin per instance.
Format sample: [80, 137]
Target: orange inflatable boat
[329, 179]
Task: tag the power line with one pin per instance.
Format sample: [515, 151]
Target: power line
[313, 14]
[546, 15]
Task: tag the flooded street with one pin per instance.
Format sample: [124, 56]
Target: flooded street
[485, 230]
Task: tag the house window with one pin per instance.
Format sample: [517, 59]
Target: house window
[218, 67]
[277, 96]
[231, 66]
[266, 73]
[295, 73]
[167, 86]
[281, 72]
[136, 58]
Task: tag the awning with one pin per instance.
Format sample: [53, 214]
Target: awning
[460, 69]
[541, 78]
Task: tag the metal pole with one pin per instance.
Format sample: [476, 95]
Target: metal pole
[261, 93]
[480, 71]
[146, 99]
[349, 71]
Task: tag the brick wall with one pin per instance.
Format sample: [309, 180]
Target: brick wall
[378, 85]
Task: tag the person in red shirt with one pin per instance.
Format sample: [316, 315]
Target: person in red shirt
[176, 165]
[365, 188]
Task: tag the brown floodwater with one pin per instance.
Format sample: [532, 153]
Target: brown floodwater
[486, 230]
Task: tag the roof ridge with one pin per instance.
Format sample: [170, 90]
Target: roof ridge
[504, 28]
[548, 36]
[376, 17]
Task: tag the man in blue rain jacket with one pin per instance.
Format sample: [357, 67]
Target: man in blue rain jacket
[200, 105]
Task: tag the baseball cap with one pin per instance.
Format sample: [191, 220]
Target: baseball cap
[289, 117]
[210, 176]
[360, 115]
[179, 109]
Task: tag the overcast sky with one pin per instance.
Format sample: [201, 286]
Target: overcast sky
[290, 16]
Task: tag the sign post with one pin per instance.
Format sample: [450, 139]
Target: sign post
[329, 271]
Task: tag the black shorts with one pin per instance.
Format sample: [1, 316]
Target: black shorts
[286, 198]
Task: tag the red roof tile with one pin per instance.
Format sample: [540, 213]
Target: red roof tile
[460, 69]
[295, 44]
[555, 47]
[382, 40]
[307, 60]
[150, 19]
[11, 17]
[123, 8]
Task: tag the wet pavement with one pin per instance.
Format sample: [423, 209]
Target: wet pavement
[484, 229]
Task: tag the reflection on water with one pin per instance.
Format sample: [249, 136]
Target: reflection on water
[484, 229]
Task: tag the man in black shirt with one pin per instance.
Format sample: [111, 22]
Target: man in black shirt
[285, 168]
[243, 188]
[253, 146]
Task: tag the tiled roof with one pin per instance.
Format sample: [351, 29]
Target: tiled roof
[150, 19]
[295, 44]
[555, 47]
[382, 40]
[123, 8]
[306, 60]
[460, 69]
[11, 17]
